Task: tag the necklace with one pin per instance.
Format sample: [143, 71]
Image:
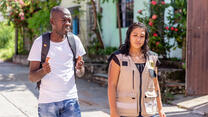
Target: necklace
[137, 57]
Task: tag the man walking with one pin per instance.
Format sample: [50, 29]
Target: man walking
[58, 93]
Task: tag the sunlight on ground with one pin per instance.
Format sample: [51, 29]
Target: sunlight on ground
[197, 101]
[95, 114]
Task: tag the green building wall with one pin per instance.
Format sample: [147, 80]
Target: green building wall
[110, 32]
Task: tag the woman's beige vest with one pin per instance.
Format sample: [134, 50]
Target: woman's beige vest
[136, 94]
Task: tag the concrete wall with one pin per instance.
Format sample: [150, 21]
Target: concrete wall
[20, 59]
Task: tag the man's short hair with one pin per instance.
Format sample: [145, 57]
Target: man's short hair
[57, 9]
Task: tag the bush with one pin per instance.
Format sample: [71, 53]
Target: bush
[155, 24]
[6, 41]
[39, 25]
[177, 22]
[94, 48]
[5, 34]
[158, 30]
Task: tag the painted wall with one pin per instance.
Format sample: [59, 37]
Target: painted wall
[110, 32]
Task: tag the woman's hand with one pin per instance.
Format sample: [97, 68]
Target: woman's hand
[114, 114]
[162, 114]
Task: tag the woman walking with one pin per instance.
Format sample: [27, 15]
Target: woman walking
[133, 89]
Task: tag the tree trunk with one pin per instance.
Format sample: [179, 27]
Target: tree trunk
[16, 41]
[26, 38]
[23, 32]
[95, 28]
[184, 50]
[119, 22]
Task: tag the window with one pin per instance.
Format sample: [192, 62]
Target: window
[75, 19]
[126, 8]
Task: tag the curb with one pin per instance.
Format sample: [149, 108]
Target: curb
[189, 109]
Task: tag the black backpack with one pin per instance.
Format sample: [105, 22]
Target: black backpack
[46, 46]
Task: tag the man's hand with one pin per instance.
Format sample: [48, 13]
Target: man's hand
[36, 74]
[46, 67]
[79, 63]
[80, 70]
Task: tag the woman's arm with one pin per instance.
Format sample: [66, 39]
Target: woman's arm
[113, 74]
[159, 102]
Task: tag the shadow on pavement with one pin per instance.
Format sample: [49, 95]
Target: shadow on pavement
[15, 78]
[20, 92]
[182, 114]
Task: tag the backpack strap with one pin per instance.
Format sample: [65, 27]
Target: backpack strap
[44, 51]
[72, 45]
[45, 46]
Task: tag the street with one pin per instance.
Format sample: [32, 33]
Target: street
[18, 96]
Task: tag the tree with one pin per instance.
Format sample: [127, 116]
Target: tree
[174, 29]
[28, 16]
[177, 24]
[155, 24]
[95, 27]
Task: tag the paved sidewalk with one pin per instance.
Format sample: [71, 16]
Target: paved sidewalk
[196, 104]
[18, 96]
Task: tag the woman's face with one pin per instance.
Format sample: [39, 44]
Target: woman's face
[137, 38]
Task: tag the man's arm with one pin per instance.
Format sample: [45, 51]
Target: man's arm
[36, 74]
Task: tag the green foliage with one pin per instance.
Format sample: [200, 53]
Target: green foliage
[6, 41]
[21, 49]
[155, 24]
[78, 1]
[32, 15]
[99, 17]
[94, 48]
[167, 96]
[5, 34]
[14, 11]
[110, 0]
[158, 31]
[177, 20]
[39, 22]
[175, 59]
[184, 65]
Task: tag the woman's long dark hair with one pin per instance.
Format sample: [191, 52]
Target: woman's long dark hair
[124, 48]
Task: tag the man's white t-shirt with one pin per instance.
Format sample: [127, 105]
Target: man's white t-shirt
[59, 84]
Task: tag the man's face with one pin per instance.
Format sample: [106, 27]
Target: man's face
[62, 22]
